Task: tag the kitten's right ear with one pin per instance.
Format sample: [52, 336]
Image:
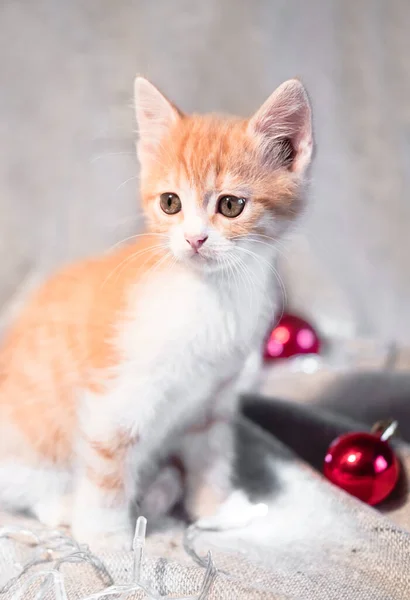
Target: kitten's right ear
[155, 116]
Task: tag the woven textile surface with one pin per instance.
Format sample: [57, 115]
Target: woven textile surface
[315, 543]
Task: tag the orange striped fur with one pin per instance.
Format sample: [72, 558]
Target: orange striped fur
[62, 342]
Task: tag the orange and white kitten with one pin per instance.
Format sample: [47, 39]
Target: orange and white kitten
[120, 361]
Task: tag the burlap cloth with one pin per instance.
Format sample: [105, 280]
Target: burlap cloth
[315, 543]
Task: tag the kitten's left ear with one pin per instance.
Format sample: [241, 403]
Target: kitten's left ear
[283, 127]
[155, 116]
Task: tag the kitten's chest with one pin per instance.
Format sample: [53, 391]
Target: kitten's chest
[183, 322]
[183, 340]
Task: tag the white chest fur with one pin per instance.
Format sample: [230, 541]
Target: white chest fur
[185, 335]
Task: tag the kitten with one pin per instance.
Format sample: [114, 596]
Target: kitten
[120, 361]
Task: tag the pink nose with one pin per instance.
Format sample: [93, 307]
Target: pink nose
[196, 241]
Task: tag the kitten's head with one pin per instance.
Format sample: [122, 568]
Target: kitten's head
[217, 186]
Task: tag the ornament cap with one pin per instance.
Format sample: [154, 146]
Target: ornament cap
[385, 429]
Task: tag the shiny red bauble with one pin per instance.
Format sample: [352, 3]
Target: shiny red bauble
[363, 465]
[291, 336]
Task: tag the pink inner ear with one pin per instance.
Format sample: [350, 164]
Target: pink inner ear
[286, 115]
[149, 113]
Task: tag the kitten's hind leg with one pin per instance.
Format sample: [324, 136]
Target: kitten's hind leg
[163, 494]
[208, 454]
[39, 490]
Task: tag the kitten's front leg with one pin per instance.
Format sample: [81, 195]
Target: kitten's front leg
[105, 485]
[103, 496]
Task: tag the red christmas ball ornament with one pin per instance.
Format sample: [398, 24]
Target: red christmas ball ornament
[363, 464]
[291, 336]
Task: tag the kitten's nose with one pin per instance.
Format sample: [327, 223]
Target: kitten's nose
[196, 241]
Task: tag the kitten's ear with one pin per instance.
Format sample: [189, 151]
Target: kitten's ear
[283, 127]
[155, 116]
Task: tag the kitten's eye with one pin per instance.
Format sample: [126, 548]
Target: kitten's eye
[170, 203]
[231, 206]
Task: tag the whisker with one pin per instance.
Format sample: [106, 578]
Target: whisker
[155, 267]
[221, 260]
[133, 178]
[241, 270]
[277, 244]
[240, 267]
[136, 224]
[272, 269]
[154, 249]
[133, 237]
[107, 154]
[235, 274]
[128, 259]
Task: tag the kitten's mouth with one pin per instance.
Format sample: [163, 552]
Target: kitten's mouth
[200, 257]
[201, 260]
[207, 261]
[204, 259]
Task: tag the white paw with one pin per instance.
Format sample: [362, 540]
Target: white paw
[236, 512]
[100, 540]
[54, 514]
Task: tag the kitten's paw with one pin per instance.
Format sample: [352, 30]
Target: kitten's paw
[204, 501]
[54, 513]
[236, 512]
[100, 540]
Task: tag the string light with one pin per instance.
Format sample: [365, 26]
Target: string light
[58, 548]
